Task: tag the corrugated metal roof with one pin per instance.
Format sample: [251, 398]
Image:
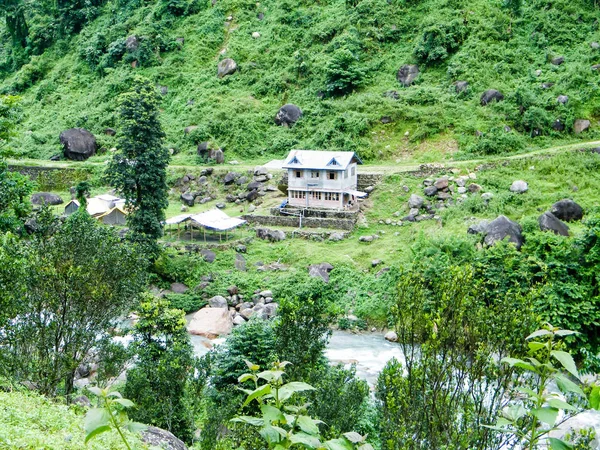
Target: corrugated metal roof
[96, 206]
[215, 219]
[320, 160]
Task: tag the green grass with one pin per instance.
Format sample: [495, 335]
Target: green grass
[289, 63]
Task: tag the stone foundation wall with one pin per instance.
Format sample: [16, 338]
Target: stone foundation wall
[318, 213]
[52, 178]
[308, 222]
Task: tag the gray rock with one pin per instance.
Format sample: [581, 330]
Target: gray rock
[110, 131]
[413, 212]
[519, 187]
[567, 210]
[230, 178]
[392, 94]
[549, 222]
[547, 85]
[252, 195]
[270, 309]
[369, 189]
[581, 125]
[562, 99]
[336, 237]
[320, 270]
[187, 199]
[254, 185]
[220, 205]
[218, 301]
[162, 439]
[502, 228]
[595, 45]
[208, 255]
[487, 196]
[132, 43]
[391, 336]
[240, 262]
[415, 201]
[430, 191]
[217, 156]
[407, 74]
[78, 144]
[41, 198]
[473, 187]
[479, 227]
[461, 86]
[441, 183]
[558, 60]
[461, 190]
[558, 125]
[238, 319]
[288, 115]
[270, 235]
[241, 180]
[179, 288]
[226, 67]
[375, 262]
[247, 313]
[491, 95]
[203, 148]
[444, 195]
[82, 400]
[365, 239]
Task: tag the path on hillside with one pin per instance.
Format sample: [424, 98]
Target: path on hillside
[389, 168]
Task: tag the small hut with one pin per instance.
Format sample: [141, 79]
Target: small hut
[115, 216]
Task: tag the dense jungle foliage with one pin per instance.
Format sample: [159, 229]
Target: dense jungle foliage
[68, 60]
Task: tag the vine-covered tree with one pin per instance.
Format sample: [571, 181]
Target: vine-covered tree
[139, 170]
[14, 13]
[66, 290]
[14, 198]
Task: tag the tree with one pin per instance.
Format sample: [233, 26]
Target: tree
[74, 285]
[14, 12]
[449, 385]
[163, 369]
[14, 199]
[139, 170]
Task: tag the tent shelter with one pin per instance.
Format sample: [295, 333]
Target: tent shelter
[115, 216]
[71, 207]
[213, 220]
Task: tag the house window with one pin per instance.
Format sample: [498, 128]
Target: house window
[346, 173]
[314, 174]
[332, 196]
[353, 171]
[331, 175]
[298, 174]
[316, 195]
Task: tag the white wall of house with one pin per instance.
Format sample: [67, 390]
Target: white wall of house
[320, 188]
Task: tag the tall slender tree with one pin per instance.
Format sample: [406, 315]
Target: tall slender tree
[139, 170]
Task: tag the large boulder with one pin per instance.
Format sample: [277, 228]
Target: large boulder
[41, 198]
[461, 86]
[132, 43]
[581, 125]
[320, 270]
[549, 222]
[288, 115]
[558, 60]
[187, 199]
[240, 262]
[415, 201]
[208, 255]
[217, 156]
[501, 228]
[230, 178]
[270, 235]
[407, 74]
[218, 301]
[211, 323]
[391, 336]
[163, 439]
[226, 67]
[478, 228]
[567, 210]
[78, 144]
[519, 187]
[491, 95]
[586, 420]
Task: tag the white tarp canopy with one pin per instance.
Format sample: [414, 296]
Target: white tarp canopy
[358, 194]
[217, 220]
[178, 219]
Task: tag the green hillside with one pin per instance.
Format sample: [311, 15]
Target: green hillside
[335, 59]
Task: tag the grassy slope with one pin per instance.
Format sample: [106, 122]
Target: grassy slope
[288, 63]
[31, 421]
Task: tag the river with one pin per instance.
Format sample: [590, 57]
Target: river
[369, 351]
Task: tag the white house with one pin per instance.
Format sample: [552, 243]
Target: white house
[325, 179]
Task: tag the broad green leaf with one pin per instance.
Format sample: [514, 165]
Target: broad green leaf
[546, 414]
[96, 432]
[514, 412]
[246, 377]
[538, 333]
[566, 361]
[305, 439]
[307, 425]
[338, 444]
[565, 332]
[114, 394]
[271, 414]
[125, 403]
[560, 404]
[559, 444]
[500, 429]
[270, 375]
[258, 393]
[136, 427]
[354, 437]
[515, 362]
[251, 366]
[96, 391]
[270, 434]
[595, 397]
[365, 447]
[566, 385]
[95, 418]
[286, 391]
[535, 346]
[257, 422]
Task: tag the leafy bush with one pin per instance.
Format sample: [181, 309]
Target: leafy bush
[439, 39]
[188, 303]
[344, 73]
[497, 142]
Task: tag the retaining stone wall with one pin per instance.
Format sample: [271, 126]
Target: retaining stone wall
[308, 222]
